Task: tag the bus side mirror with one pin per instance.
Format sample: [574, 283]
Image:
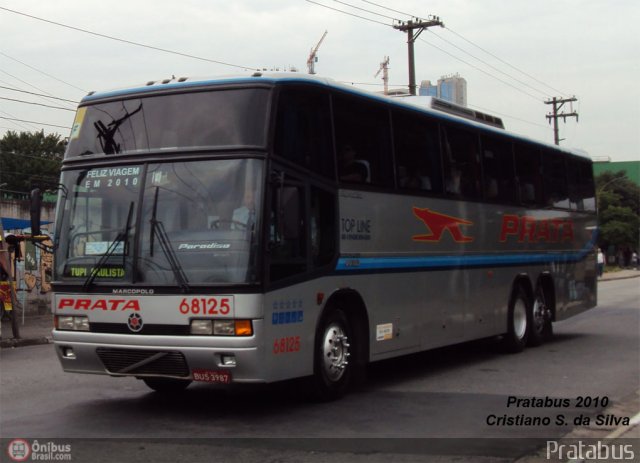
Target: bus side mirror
[36, 207]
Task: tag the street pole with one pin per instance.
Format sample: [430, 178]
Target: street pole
[554, 116]
[410, 28]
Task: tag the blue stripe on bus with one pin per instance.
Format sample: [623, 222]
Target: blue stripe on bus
[355, 264]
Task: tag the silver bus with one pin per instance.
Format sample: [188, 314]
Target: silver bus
[266, 227]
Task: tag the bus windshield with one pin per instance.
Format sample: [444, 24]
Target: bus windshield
[167, 224]
[221, 118]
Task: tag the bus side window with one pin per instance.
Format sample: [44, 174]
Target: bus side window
[461, 163]
[528, 173]
[497, 166]
[364, 128]
[556, 192]
[303, 130]
[417, 153]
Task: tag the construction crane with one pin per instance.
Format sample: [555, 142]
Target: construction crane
[313, 56]
[384, 68]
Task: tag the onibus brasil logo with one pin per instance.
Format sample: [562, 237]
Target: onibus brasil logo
[22, 450]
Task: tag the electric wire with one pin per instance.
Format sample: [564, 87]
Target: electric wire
[37, 94]
[42, 72]
[390, 9]
[365, 10]
[37, 104]
[25, 82]
[346, 12]
[12, 118]
[130, 42]
[481, 70]
[546, 95]
[505, 62]
[34, 122]
[480, 48]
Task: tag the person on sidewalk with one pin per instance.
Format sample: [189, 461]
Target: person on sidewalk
[601, 261]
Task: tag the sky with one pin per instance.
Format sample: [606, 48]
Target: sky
[514, 55]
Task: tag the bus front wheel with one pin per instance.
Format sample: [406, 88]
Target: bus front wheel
[518, 321]
[334, 356]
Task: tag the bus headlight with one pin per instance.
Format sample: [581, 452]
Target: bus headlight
[222, 327]
[71, 323]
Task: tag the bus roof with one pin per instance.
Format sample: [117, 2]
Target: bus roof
[421, 104]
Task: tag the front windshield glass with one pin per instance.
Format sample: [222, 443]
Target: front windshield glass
[204, 119]
[198, 223]
[97, 217]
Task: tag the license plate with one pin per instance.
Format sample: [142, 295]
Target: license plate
[212, 376]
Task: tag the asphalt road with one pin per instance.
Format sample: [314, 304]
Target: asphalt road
[426, 407]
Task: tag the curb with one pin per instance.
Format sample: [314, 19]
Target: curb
[20, 342]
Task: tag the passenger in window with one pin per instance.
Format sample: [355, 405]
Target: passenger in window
[491, 188]
[352, 169]
[407, 179]
[453, 184]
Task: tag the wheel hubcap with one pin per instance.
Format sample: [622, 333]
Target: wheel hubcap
[335, 352]
[539, 314]
[520, 319]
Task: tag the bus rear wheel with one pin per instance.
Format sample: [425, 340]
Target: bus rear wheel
[334, 362]
[518, 321]
[167, 385]
[541, 329]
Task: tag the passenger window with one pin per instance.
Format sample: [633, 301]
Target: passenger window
[581, 185]
[362, 141]
[556, 192]
[303, 129]
[462, 177]
[528, 172]
[497, 164]
[417, 153]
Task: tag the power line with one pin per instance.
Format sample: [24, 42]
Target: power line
[480, 48]
[365, 10]
[489, 64]
[481, 70]
[42, 72]
[346, 12]
[37, 94]
[11, 118]
[37, 104]
[504, 62]
[130, 42]
[24, 82]
[390, 9]
[33, 122]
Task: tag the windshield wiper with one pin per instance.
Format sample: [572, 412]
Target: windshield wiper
[121, 237]
[157, 230]
[106, 133]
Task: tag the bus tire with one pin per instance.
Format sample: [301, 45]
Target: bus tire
[518, 321]
[540, 328]
[167, 385]
[335, 358]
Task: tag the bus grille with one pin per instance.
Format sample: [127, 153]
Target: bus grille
[143, 362]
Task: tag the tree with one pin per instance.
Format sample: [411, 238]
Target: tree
[618, 210]
[29, 160]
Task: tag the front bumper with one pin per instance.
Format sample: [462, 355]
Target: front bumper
[162, 356]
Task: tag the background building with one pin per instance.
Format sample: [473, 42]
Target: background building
[450, 88]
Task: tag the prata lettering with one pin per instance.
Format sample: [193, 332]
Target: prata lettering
[99, 304]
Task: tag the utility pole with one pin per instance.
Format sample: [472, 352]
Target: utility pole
[413, 30]
[558, 103]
